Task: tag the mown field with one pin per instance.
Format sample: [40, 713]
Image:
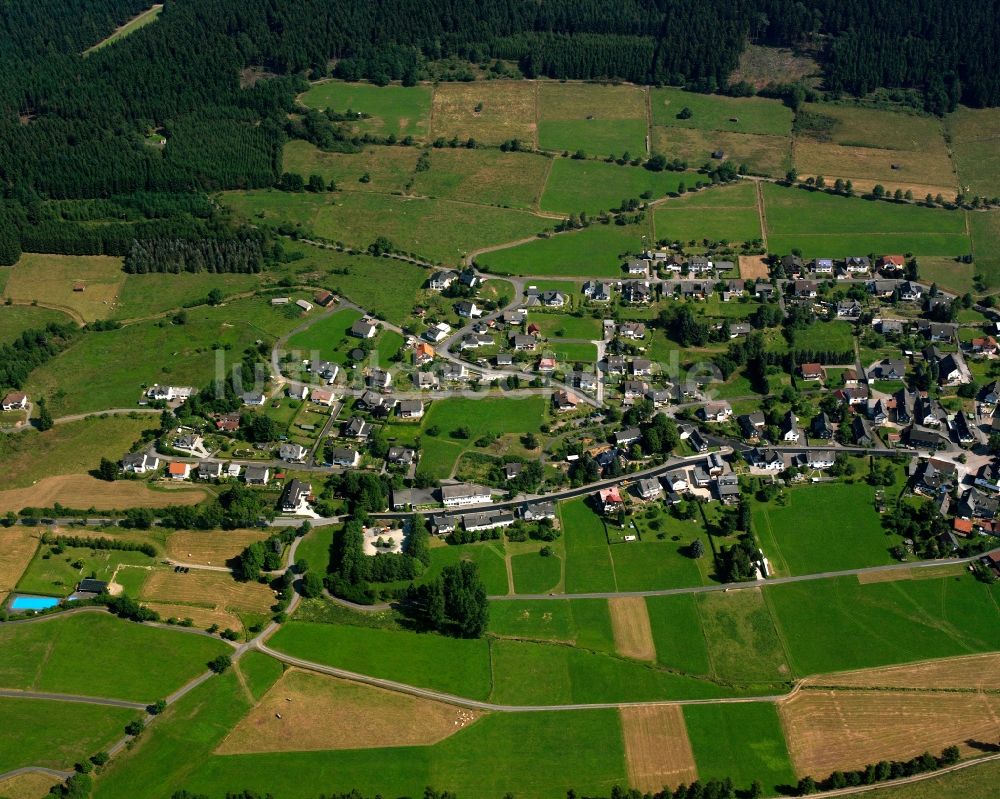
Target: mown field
[15, 319]
[137, 663]
[723, 214]
[399, 110]
[489, 177]
[599, 120]
[762, 155]
[154, 293]
[51, 279]
[975, 142]
[594, 186]
[378, 169]
[714, 112]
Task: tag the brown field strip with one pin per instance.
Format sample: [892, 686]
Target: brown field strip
[210, 548]
[27, 786]
[310, 712]
[754, 266]
[657, 749]
[916, 573]
[630, 623]
[203, 618]
[208, 589]
[830, 730]
[17, 547]
[973, 673]
[84, 491]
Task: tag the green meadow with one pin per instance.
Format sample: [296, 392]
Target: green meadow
[489, 177]
[487, 555]
[535, 574]
[715, 112]
[585, 623]
[15, 319]
[153, 293]
[399, 110]
[378, 169]
[594, 186]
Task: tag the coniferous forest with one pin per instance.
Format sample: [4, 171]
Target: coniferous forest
[77, 127]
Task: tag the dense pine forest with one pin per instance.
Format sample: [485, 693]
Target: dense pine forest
[78, 127]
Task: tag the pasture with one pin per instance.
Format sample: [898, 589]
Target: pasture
[825, 527]
[294, 716]
[259, 672]
[453, 665]
[830, 730]
[561, 325]
[839, 624]
[210, 547]
[101, 370]
[975, 143]
[985, 229]
[489, 177]
[73, 447]
[56, 734]
[84, 491]
[594, 186]
[491, 113]
[657, 749]
[31, 785]
[652, 563]
[398, 110]
[328, 336]
[534, 574]
[685, 218]
[742, 643]
[51, 279]
[678, 634]
[950, 274]
[597, 251]
[17, 547]
[584, 623]
[15, 319]
[762, 155]
[155, 293]
[388, 169]
[58, 655]
[742, 741]
[835, 335]
[825, 225]
[715, 112]
[556, 751]
[207, 589]
[600, 120]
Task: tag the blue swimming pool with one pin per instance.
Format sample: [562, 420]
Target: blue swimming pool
[26, 602]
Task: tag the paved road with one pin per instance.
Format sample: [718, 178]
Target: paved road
[49, 772]
[10, 693]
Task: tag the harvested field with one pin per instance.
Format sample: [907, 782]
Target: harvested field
[51, 280]
[753, 266]
[309, 712]
[84, 491]
[17, 546]
[202, 617]
[207, 589]
[657, 749]
[210, 548]
[975, 672]
[630, 623]
[830, 730]
[506, 110]
[27, 786]
[926, 573]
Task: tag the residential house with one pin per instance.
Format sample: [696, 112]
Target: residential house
[364, 328]
[717, 411]
[536, 511]
[819, 459]
[15, 401]
[454, 372]
[401, 456]
[763, 290]
[986, 345]
[950, 369]
[467, 309]
[964, 430]
[488, 520]
[179, 471]
[767, 459]
[989, 476]
[938, 332]
[255, 398]
[464, 494]
[649, 488]
[821, 427]
[857, 265]
[883, 289]
[812, 371]
[210, 470]
[441, 280]
[323, 298]
[512, 470]
[322, 396]
[597, 291]
[468, 278]
[372, 401]
[139, 463]
[927, 411]
[523, 343]
[378, 378]
[552, 299]
[658, 396]
[849, 309]
[228, 423]
[614, 365]
[441, 523]
[627, 436]
[734, 290]
[791, 264]
[517, 316]
[410, 409]
[423, 353]
[298, 392]
[563, 401]
[698, 264]
[169, 393]
[752, 425]
[934, 476]
[727, 489]
[823, 266]
[293, 453]
[610, 500]
[642, 367]
[905, 404]
[889, 327]
[356, 427]
[636, 292]
[976, 504]
[585, 381]
[805, 288]
[295, 497]
[632, 330]
[697, 441]
[852, 396]
[637, 267]
[990, 395]
[790, 432]
[426, 381]
[891, 264]
[325, 370]
[920, 438]
[344, 457]
[546, 364]
[633, 389]
[191, 442]
[878, 412]
[889, 369]
[257, 475]
[437, 333]
[861, 432]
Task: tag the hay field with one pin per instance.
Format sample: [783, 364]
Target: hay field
[507, 111]
[309, 712]
[201, 617]
[84, 491]
[974, 672]
[50, 279]
[210, 548]
[27, 786]
[632, 631]
[975, 141]
[17, 547]
[754, 267]
[657, 749]
[596, 119]
[763, 155]
[208, 589]
[491, 177]
[830, 730]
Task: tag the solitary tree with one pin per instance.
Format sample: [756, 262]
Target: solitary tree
[44, 417]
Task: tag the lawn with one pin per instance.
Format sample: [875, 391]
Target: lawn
[561, 325]
[950, 274]
[51, 279]
[839, 624]
[829, 336]
[588, 558]
[101, 370]
[715, 112]
[57, 575]
[825, 225]
[811, 534]
[57, 655]
[743, 742]
[56, 734]
[678, 633]
[399, 110]
[534, 574]
[573, 352]
[260, 672]
[975, 142]
[388, 169]
[594, 186]
[532, 755]
[600, 120]
[597, 251]
[490, 177]
[15, 319]
[329, 337]
[315, 549]
[650, 564]
[72, 448]
[440, 230]
[491, 112]
[762, 155]
[585, 623]
[687, 221]
[488, 556]
[153, 293]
